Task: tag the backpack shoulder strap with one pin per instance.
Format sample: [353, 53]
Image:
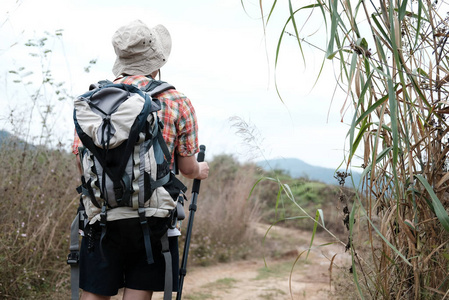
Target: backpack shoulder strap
[155, 87]
[100, 83]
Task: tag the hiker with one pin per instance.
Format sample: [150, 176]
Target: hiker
[141, 52]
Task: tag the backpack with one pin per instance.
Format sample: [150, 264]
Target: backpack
[125, 160]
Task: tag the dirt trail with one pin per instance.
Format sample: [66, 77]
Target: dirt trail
[250, 280]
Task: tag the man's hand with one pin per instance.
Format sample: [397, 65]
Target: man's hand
[204, 170]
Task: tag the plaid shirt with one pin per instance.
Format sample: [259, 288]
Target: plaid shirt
[177, 114]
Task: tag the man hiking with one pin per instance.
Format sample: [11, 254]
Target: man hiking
[120, 261]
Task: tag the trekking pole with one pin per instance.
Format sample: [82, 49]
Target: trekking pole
[192, 209]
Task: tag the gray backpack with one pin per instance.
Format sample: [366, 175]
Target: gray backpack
[125, 160]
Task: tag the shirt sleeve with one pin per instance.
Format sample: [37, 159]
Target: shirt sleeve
[76, 144]
[187, 129]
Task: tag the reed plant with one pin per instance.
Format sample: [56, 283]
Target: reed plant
[392, 65]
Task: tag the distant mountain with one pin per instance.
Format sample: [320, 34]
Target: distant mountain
[297, 168]
[4, 136]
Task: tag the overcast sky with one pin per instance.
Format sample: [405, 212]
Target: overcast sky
[220, 59]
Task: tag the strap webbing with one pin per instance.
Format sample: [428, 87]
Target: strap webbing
[160, 182]
[163, 145]
[74, 256]
[155, 87]
[86, 189]
[89, 144]
[168, 288]
[146, 235]
[103, 220]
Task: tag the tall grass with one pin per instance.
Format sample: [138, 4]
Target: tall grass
[391, 59]
[38, 200]
[223, 230]
[37, 180]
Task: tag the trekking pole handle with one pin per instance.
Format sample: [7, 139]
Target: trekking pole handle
[201, 153]
[197, 182]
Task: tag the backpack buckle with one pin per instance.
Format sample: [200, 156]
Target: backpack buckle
[118, 193]
[142, 217]
[103, 215]
[73, 258]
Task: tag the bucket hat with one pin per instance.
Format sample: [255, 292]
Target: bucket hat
[140, 50]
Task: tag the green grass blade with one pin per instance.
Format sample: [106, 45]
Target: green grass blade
[271, 11]
[393, 105]
[372, 108]
[436, 203]
[382, 154]
[355, 144]
[419, 24]
[394, 122]
[315, 226]
[380, 28]
[320, 212]
[353, 65]
[334, 21]
[381, 235]
[281, 36]
[402, 10]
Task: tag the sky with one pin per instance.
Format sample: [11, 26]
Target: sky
[221, 59]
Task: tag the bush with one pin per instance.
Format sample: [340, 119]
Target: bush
[309, 195]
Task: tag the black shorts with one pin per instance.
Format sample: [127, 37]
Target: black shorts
[124, 262]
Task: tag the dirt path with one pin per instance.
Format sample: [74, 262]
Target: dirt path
[250, 280]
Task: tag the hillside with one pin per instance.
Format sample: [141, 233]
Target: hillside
[7, 138]
[297, 168]
[4, 135]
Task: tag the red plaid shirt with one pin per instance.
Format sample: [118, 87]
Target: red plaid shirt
[177, 114]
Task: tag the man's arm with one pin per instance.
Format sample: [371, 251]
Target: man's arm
[191, 168]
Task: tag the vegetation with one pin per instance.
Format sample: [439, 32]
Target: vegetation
[38, 201]
[392, 64]
[311, 196]
[37, 186]
[222, 223]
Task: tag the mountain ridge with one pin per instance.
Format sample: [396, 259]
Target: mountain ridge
[298, 168]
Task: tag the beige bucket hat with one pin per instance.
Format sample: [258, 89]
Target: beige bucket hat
[140, 50]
